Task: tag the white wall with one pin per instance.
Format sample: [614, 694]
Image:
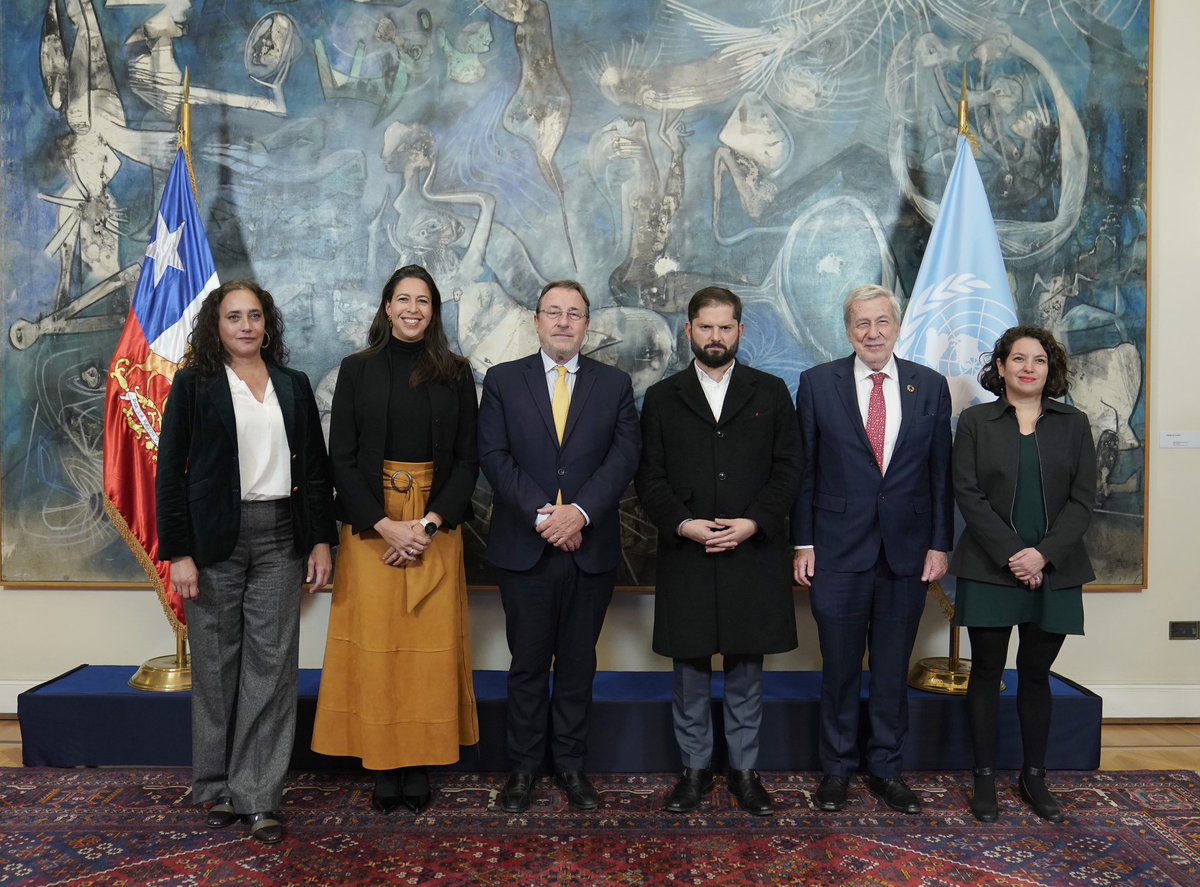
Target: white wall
[1125, 656]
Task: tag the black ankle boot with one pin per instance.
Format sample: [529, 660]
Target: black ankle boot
[1032, 785]
[983, 799]
[415, 792]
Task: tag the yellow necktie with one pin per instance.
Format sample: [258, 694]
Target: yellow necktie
[559, 406]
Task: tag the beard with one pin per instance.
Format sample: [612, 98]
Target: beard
[715, 359]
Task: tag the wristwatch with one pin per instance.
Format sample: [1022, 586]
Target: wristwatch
[430, 528]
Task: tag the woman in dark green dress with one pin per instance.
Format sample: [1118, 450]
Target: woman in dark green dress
[1025, 481]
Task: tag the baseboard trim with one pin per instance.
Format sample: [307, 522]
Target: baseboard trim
[1148, 701]
[9, 691]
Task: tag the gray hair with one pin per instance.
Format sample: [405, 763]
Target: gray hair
[869, 293]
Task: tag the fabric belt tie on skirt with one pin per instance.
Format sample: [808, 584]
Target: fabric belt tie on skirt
[405, 497]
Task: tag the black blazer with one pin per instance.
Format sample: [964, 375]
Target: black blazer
[198, 487]
[985, 485]
[358, 434]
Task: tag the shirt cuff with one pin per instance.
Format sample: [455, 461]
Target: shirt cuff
[803, 547]
[587, 521]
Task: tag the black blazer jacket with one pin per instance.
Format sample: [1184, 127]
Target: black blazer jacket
[985, 485]
[198, 487]
[358, 434]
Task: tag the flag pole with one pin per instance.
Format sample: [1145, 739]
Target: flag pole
[952, 673]
[173, 674]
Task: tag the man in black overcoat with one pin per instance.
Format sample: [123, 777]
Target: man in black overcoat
[721, 462]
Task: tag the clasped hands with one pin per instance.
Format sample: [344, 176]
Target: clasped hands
[720, 534]
[563, 528]
[406, 539]
[1028, 565]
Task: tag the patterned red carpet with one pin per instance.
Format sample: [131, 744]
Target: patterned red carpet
[136, 827]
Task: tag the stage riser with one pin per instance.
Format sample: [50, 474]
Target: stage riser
[89, 718]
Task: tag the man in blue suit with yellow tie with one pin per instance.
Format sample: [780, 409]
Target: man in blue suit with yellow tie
[872, 525]
[559, 443]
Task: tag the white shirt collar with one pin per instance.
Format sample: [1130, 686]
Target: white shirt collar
[548, 363]
[706, 379]
[862, 371]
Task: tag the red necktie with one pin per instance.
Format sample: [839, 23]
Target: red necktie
[876, 417]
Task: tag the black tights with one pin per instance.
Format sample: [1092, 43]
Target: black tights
[1036, 651]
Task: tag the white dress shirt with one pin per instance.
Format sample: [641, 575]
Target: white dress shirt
[714, 389]
[264, 463]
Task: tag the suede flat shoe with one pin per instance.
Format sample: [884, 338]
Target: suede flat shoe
[894, 793]
[517, 792]
[265, 827]
[749, 792]
[690, 790]
[221, 814]
[831, 793]
[581, 795]
[983, 799]
[1032, 786]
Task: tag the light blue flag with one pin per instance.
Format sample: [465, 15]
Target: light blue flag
[961, 301]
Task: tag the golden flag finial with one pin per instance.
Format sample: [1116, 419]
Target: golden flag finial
[185, 130]
[964, 117]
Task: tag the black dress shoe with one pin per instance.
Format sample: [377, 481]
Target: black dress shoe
[221, 813]
[749, 792]
[894, 793]
[386, 795]
[1032, 785]
[581, 795]
[415, 792]
[983, 798]
[515, 795]
[831, 793]
[690, 790]
[265, 827]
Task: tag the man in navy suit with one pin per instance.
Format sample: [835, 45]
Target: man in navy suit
[559, 443]
[872, 525]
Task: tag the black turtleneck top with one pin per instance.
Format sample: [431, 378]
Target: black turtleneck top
[410, 417]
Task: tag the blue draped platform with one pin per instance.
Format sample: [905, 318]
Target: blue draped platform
[89, 717]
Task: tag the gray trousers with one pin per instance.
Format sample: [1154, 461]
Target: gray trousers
[244, 630]
[692, 710]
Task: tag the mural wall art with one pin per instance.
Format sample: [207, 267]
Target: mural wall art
[787, 149]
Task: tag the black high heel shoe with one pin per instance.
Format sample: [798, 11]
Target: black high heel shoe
[1032, 785]
[983, 799]
[386, 796]
[415, 792]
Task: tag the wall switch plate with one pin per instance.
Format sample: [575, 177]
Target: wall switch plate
[1183, 631]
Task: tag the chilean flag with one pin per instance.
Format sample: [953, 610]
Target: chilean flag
[176, 275]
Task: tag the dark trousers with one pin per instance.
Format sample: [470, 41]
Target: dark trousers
[692, 710]
[876, 611]
[1036, 652]
[553, 614]
[244, 632]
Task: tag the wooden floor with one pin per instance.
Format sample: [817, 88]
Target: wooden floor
[1146, 746]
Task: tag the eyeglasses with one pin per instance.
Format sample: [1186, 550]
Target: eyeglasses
[554, 314]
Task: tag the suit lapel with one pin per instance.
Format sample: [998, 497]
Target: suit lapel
[285, 394]
[692, 394]
[585, 380]
[535, 378]
[907, 377]
[217, 388]
[848, 394]
[741, 391]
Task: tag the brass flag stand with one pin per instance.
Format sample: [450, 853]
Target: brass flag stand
[170, 674]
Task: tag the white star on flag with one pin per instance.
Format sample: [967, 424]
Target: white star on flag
[165, 249]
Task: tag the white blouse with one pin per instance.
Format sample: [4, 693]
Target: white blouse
[264, 463]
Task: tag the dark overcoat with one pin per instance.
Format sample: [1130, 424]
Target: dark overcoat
[746, 465]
